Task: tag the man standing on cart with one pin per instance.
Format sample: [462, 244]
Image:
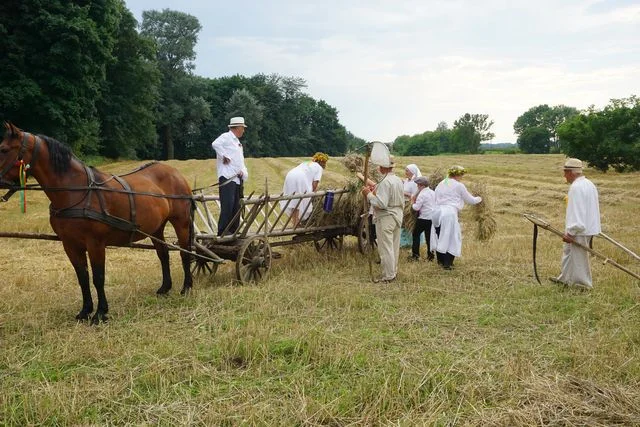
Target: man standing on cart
[232, 173]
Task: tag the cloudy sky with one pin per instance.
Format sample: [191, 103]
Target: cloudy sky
[402, 66]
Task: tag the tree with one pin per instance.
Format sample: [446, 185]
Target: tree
[175, 35]
[243, 103]
[534, 140]
[53, 66]
[130, 94]
[470, 130]
[545, 117]
[605, 138]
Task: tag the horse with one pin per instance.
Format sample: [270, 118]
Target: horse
[91, 210]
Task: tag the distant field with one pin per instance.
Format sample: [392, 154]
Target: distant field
[318, 343]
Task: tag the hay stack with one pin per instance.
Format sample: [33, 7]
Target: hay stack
[483, 213]
[354, 163]
[347, 208]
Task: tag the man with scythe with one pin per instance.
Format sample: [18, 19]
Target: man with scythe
[581, 224]
[387, 201]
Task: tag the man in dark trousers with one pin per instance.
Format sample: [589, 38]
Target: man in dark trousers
[232, 173]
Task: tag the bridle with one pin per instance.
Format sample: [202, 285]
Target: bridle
[19, 158]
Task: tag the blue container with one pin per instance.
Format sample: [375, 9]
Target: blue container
[328, 202]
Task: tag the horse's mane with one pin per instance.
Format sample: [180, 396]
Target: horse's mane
[59, 155]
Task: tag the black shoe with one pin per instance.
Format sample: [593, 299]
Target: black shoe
[414, 257]
[430, 257]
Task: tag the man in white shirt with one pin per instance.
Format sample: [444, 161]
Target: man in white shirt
[581, 224]
[232, 173]
[387, 201]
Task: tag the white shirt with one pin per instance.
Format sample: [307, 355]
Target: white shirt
[425, 203]
[583, 210]
[451, 192]
[409, 187]
[311, 170]
[228, 145]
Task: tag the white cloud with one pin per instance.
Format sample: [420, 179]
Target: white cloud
[400, 67]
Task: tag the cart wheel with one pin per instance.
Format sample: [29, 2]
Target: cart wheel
[201, 266]
[365, 241]
[254, 260]
[331, 243]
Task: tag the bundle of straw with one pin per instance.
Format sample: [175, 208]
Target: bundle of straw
[435, 178]
[483, 213]
[408, 216]
[346, 208]
[354, 163]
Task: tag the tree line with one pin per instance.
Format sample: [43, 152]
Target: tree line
[88, 74]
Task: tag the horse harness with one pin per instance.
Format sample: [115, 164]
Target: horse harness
[19, 161]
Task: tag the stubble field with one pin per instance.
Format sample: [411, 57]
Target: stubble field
[318, 343]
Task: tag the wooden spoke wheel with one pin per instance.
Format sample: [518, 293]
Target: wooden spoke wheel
[329, 244]
[254, 260]
[201, 267]
[365, 241]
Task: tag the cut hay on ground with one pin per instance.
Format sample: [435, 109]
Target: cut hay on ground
[483, 213]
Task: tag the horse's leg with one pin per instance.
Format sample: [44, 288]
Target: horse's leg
[78, 258]
[163, 254]
[184, 233]
[97, 258]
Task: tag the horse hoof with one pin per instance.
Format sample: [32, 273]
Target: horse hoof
[99, 318]
[163, 291]
[185, 291]
[82, 316]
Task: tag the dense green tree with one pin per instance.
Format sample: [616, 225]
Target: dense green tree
[549, 118]
[130, 94]
[469, 131]
[534, 140]
[605, 138]
[53, 64]
[175, 34]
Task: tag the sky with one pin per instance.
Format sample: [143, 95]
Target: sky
[400, 67]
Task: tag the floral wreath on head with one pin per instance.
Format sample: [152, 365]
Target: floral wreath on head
[456, 171]
[320, 157]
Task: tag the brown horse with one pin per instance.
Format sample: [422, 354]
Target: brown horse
[91, 210]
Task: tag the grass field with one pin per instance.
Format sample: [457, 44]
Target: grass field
[318, 343]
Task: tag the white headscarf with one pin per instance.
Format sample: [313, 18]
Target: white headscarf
[414, 170]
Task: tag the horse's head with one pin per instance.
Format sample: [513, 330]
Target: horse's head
[12, 150]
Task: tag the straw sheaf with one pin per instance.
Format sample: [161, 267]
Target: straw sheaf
[346, 210]
[354, 163]
[435, 178]
[409, 216]
[483, 213]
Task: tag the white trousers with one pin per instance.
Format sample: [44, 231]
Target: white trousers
[388, 240]
[575, 263]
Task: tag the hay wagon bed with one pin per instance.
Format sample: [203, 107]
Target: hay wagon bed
[263, 225]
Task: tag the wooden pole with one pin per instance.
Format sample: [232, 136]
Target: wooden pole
[628, 251]
[607, 260]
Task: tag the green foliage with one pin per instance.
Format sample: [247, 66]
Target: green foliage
[534, 140]
[605, 138]
[470, 130]
[53, 66]
[181, 107]
[547, 118]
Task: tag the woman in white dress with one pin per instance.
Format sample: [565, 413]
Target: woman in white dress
[304, 178]
[451, 195]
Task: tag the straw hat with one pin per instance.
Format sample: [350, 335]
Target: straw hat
[237, 121]
[573, 164]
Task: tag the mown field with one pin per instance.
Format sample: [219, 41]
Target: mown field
[318, 343]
